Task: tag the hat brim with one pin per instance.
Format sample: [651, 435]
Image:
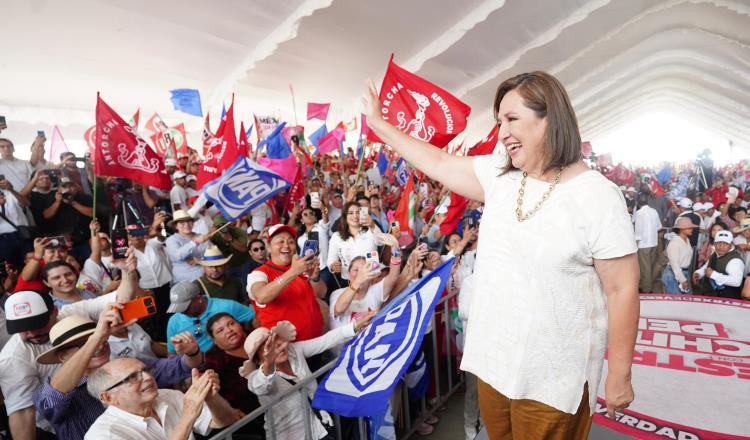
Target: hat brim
[37, 322]
[283, 228]
[50, 356]
[213, 263]
[738, 229]
[173, 222]
[179, 307]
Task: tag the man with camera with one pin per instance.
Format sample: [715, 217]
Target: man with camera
[66, 212]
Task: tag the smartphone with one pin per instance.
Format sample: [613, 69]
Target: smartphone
[364, 211]
[138, 308]
[422, 244]
[314, 200]
[40, 133]
[56, 240]
[119, 240]
[312, 235]
[309, 248]
[472, 222]
[372, 259]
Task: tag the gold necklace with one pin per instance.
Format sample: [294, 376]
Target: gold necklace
[519, 202]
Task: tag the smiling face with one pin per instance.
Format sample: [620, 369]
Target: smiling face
[522, 133]
[352, 216]
[138, 390]
[61, 280]
[722, 248]
[184, 227]
[283, 247]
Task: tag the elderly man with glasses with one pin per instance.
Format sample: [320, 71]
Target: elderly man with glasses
[137, 408]
[81, 346]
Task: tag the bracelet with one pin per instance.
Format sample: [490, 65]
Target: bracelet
[395, 261]
[196, 353]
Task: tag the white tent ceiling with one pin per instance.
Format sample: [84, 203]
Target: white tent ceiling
[618, 58]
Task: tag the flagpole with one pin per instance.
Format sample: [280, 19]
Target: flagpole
[294, 104]
[96, 143]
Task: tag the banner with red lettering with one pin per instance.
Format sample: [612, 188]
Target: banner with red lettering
[691, 370]
[120, 152]
[419, 108]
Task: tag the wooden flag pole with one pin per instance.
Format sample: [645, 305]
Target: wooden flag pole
[294, 104]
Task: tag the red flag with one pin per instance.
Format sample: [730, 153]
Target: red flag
[57, 146]
[604, 160]
[486, 145]
[90, 138]
[120, 152]
[179, 137]
[209, 167]
[243, 149]
[455, 213]
[406, 211]
[135, 119]
[297, 191]
[155, 124]
[228, 153]
[365, 130]
[419, 108]
[654, 187]
[317, 111]
[161, 143]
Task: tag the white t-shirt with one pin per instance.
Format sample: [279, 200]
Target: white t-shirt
[17, 172]
[178, 195]
[537, 325]
[347, 250]
[20, 373]
[116, 424]
[96, 273]
[136, 345]
[374, 298]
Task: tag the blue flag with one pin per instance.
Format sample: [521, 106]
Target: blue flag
[382, 163]
[242, 187]
[370, 365]
[187, 101]
[249, 132]
[223, 111]
[277, 146]
[401, 172]
[316, 135]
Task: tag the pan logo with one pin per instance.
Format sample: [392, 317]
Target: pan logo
[244, 187]
[380, 355]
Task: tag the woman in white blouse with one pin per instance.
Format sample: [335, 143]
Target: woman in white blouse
[556, 265]
[675, 276]
[355, 238]
[276, 364]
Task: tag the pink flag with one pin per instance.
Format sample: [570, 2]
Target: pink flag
[286, 168]
[317, 111]
[331, 141]
[365, 129]
[57, 146]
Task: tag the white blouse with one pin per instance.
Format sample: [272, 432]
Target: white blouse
[347, 250]
[537, 326]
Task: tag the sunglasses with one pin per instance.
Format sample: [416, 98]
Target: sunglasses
[132, 378]
[258, 249]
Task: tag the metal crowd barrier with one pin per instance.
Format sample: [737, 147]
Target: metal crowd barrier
[442, 380]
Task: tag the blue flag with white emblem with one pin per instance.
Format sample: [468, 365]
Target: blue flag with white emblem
[401, 172]
[187, 101]
[371, 364]
[242, 187]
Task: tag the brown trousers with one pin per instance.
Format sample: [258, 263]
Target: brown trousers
[523, 419]
[648, 259]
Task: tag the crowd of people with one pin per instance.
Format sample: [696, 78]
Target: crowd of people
[696, 240]
[242, 314]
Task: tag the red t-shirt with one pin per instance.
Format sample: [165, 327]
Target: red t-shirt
[296, 304]
[35, 284]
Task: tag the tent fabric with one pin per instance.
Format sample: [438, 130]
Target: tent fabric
[617, 58]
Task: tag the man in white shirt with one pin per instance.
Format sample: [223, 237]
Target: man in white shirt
[29, 318]
[136, 408]
[11, 216]
[17, 171]
[647, 224]
[178, 195]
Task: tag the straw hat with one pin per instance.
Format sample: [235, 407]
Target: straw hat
[255, 340]
[67, 330]
[213, 257]
[179, 216]
[684, 222]
[743, 226]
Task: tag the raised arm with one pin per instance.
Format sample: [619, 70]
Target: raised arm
[455, 172]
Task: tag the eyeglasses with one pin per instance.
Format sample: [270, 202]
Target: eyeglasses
[198, 329]
[134, 377]
[258, 249]
[307, 214]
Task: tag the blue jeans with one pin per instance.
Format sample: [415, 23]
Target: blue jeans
[671, 285]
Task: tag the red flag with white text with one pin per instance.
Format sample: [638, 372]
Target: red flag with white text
[120, 152]
[419, 108]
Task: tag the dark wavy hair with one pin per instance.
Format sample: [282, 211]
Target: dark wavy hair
[344, 231]
[546, 96]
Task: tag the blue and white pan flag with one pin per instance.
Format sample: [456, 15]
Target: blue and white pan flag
[242, 187]
[401, 172]
[371, 364]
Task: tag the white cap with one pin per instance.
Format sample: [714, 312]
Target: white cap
[685, 203]
[170, 163]
[191, 177]
[697, 206]
[708, 205]
[630, 189]
[179, 175]
[723, 237]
